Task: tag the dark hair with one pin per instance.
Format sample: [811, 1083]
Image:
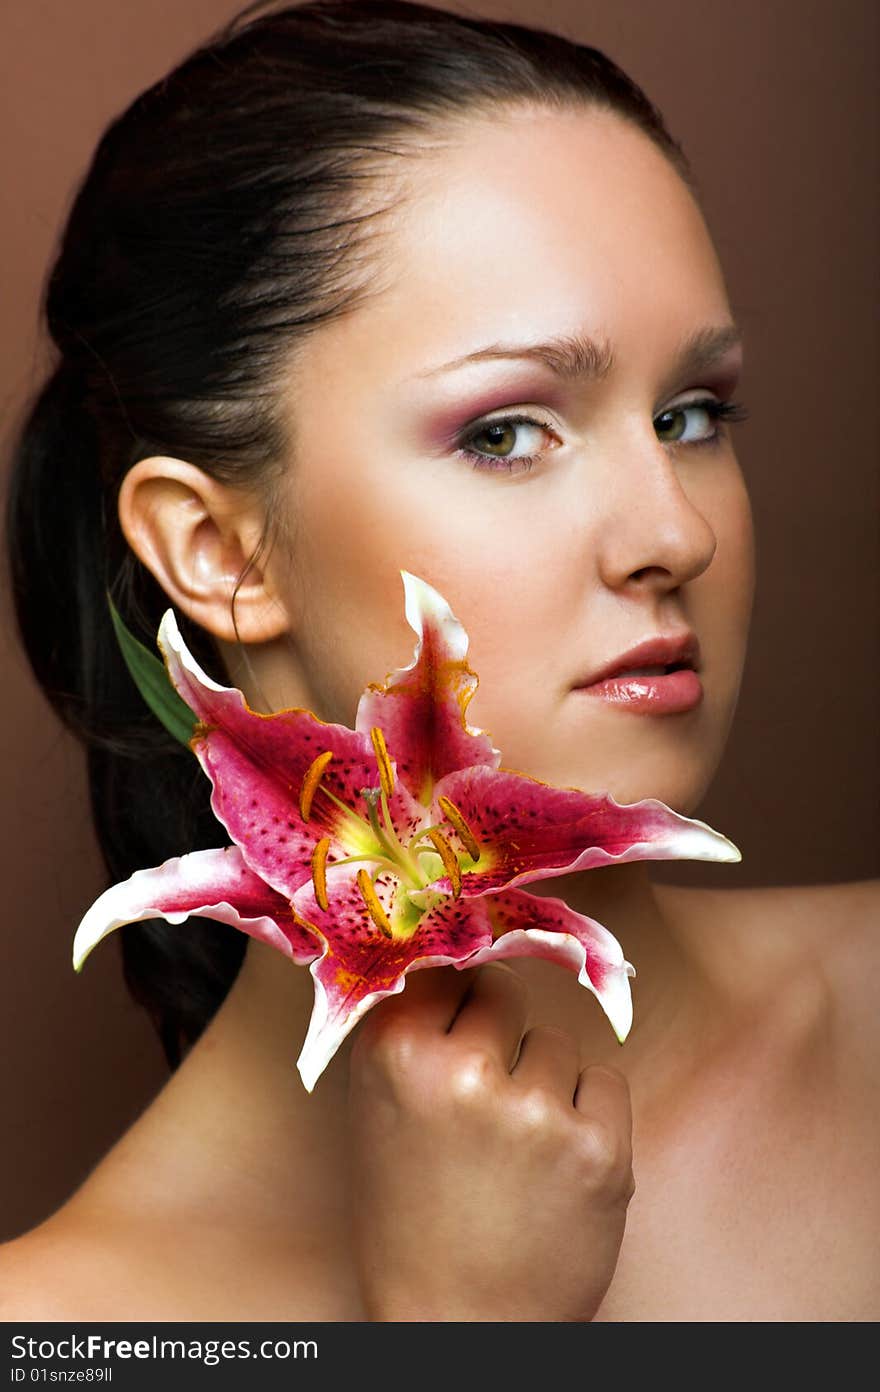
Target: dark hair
[227, 213]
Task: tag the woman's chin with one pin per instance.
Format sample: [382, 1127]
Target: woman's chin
[680, 789]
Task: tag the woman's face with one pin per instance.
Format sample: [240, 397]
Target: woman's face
[629, 523]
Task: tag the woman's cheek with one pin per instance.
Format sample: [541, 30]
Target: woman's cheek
[736, 557]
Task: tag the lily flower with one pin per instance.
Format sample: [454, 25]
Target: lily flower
[395, 846]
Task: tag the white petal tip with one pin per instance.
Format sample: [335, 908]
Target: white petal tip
[699, 841]
[168, 623]
[309, 1077]
[95, 926]
[322, 1039]
[81, 950]
[616, 1001]
[421, 599]
[170, 640]
[621, 1032]
[722, 849]
[317, 1051]
[622, 1027]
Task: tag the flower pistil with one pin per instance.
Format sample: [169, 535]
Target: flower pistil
[415, 865]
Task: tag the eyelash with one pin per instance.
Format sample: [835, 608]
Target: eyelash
[717, 410]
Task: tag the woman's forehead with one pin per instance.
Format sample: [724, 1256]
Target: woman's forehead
[574, 187]
[573, 226]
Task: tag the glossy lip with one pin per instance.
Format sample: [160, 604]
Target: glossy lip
[670, 694]
[662, 649]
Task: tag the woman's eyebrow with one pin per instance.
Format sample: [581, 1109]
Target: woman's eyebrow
[575, 356]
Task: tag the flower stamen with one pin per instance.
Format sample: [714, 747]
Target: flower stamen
[371, 900]
[376, 860]
[310, 783]
[386, 773]
[319, 871]
[454, 816]
[450, 860]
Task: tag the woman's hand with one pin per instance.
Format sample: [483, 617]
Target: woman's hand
[483, 1189]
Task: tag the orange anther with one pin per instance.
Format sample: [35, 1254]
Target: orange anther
[454, 816]
[319, 871]
[311, 781]
[386, 773]
[449, 858]
[370, 898]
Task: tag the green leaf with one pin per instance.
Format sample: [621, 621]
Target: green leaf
[150, 676]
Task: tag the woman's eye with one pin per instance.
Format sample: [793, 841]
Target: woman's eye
[672, 426]
[494, 445]
[497, 442]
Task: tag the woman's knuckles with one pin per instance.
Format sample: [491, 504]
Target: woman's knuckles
[472, 1078]
[605, 1153]
[537, 1112]
[392, 1056]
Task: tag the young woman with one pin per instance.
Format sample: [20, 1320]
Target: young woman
[297, 305]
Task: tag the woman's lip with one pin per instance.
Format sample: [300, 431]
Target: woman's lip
[662, 695]
[657, 650]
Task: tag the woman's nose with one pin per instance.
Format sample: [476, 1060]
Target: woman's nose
[653, 534]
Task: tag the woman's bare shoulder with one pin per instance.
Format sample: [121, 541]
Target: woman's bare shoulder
[841, 920]
[88, 1262]
[41, 1271]
[99, 1251]
[844, 921]
[81, 1265]
[824, 934]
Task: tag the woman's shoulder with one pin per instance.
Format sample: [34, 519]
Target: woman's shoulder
[839, 923]
[101, 1258]
[83, 1264]
[818, 945]
[42, 1271]
[86, 1264]
[101, 1254]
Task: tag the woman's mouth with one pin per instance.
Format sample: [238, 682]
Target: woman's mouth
[655, 690]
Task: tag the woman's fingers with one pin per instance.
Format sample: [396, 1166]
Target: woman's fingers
[549, 1059]
[603, 1092]
[480, 1015]
[492, 1014]
[484, 1008]
[427, 1005]
[603, 1099]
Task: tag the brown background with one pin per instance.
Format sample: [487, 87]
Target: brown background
[775, 102]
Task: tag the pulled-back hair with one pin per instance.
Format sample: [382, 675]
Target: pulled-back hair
[236, 206]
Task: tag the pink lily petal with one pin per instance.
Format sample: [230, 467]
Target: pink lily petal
[360, 965]
[421, 708]
[528, 830]
[528, 925]
[213, 884]
[257, 764]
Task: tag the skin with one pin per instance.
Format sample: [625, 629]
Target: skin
[748, 1044]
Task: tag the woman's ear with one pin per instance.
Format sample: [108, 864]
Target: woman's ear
[195, 536]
